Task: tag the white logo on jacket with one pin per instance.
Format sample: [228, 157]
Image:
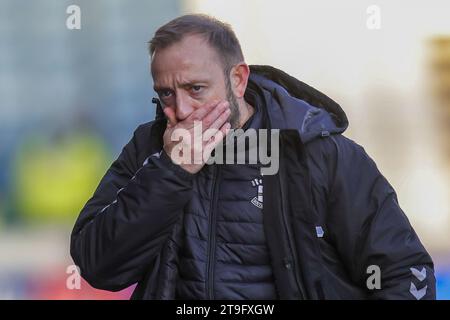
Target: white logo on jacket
[258, 200]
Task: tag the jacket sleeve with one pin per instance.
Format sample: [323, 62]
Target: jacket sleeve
[369, 228]
[122, 228]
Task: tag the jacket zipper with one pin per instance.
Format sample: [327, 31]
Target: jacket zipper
[290, 237]
[212, 236]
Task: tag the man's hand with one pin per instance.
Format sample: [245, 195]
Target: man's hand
[186, 135]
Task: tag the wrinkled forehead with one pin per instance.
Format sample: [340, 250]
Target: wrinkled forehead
[192, 53]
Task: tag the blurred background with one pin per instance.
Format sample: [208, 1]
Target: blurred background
[70, 100]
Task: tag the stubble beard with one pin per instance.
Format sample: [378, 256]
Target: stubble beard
[234, 106]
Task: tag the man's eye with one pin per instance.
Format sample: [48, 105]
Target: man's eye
[165, 93]
[196, 89]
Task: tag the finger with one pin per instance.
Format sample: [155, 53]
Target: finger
[219, 121]
[201, 112]
[217, 116]
[217, 137]
[171, 117]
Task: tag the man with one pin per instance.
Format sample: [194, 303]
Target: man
[326, 225]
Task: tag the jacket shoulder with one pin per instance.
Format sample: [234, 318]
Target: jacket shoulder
[144, 141]
[135, 152]
[143, 132]
[337, 147]
[336, 155]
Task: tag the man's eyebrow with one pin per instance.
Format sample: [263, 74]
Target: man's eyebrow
[159, 88]
[189, 83]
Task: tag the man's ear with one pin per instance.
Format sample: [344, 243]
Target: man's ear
[239, 77]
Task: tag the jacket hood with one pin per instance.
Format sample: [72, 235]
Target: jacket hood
[293, 104]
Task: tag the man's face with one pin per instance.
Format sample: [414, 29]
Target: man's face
[188, 75]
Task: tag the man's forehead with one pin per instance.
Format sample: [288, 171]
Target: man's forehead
[185, 69]
[190, 52]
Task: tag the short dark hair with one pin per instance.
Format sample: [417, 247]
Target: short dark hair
[218, 34]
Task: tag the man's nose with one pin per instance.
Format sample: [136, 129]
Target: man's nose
[183, 108]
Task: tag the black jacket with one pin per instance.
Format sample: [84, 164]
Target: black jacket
[329, 214]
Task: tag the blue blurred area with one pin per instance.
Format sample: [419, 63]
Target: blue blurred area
[69, 101]
[443, 285]
[55, 81]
